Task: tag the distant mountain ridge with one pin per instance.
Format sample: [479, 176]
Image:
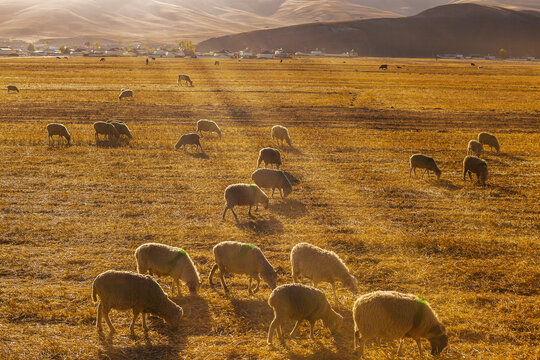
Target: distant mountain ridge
[454, 28]
[172, 20]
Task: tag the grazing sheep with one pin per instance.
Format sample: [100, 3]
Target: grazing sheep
[186, 78]
[269, 156]
[102, 59]
[270, 178]
[300, 302]
[244, 194]
[393, 315]
[60, 130]
[280, 133]
[473, 64]
[423, 162]
[216, 62]
[320, 265]
[107, 129]
[12, 88]
[208, 125]
[164, 260]
[234, 257]
[488, 139]
[122, 128]
[124, 290]
[189, 139]
[383, 67]
[124, 93]
[475, 148]
[472, 164]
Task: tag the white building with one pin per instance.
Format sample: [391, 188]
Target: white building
[265, 55]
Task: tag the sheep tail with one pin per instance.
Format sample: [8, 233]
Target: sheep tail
[94, 295]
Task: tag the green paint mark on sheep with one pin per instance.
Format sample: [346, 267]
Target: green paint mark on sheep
[179, 254]
[245, 248]
[421, 300]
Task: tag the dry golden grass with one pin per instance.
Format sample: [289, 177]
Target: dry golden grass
[68, 214]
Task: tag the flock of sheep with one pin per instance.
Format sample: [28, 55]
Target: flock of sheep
[379, 314]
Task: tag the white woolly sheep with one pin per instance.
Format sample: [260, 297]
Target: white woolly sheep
[189, 139]
[124, 290]
[234, 257]
[488, 139]
[60, 130]
[472, 164]
[475, 148]
[12, 88]
[320, 265]
[393, 315]
[163, 260]
[280, 133]
[423, 162]
[300, 302]
[270, 178]
[244, 194]
[107, 129]
[185, 78]
[269, 156]
[208, 125]
[124, 93]
[122, 128]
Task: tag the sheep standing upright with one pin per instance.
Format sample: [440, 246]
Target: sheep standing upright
[475, 148]
[189, 139]
[124, 290]
[300, 302]
[269, 156]
[320, 265]
[488, 139]
[60, 130]
[423, 162]
[107, 129]
[165, 260]
[393, 315]
[124, 93]
[244, 194]
[281, 133]
[472, 164]
[208, 125]
[270, 178]
[234, 257]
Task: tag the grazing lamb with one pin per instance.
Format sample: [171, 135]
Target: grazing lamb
[165, 260]
[393, 315]
[423, 162]
[125, 93]
[383, 67]
[122, 128]
[488, 139]
[102, 59]
[208, 125]
[216, 62]
[189, 139]
[124, 290]
[234, 257]
[300, 302]
[12, 88]
[472, 164]
[320, 265]
[270, 178]
[244, 194]
[185, 78]
[107, 129]
[280, 133]
[269, 156]
[60, 130]
[476, 148]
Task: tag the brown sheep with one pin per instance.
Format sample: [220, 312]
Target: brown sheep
[423, 162]
[189, 139]
[472, 164]
[244, 194]
[185, 78]
[475, 148]
[269, 156]
[107, 129]
[488, 139]
[12, 88]
[60, 130]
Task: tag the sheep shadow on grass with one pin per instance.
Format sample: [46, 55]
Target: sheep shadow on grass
[198, 155]
[447, 184]
[259, 225]
[290, 208]
[254, 314]
[106, 144]
[196, 319]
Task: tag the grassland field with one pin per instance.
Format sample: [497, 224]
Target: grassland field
[70, 213]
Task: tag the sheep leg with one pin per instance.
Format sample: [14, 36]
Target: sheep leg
[222, 279]
[361, 344]
[99, 317]
[236, 217]
[295, 329]
[144, 322]
[178, 290]
[258, 283]
[311, 333]
[106, 316]
[271, 330]
[294, 276]
[132, 326]
[419, 344]
[400, 348]
[226, 208]
[356, 335]
[470, 175]
[335, 294]
[214, 268]
[249, 211]
[281, 192]
[464, 174]
[249, 286]
[273, 192]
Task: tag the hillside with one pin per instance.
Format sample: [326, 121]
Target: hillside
[462, 28]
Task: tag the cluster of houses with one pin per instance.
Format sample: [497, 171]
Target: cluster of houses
[270, 54]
